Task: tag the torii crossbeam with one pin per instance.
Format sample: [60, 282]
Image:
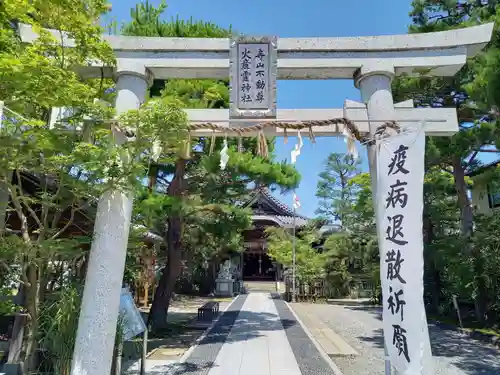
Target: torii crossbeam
[436, 121]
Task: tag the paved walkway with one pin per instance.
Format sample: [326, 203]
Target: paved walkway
[257, 343]
[258, 334]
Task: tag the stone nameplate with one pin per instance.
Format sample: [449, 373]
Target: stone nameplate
[253, 70]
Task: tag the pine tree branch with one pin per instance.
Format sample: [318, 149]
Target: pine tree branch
[471, 159]
[67, 225]
[20, 214]
[446, 170]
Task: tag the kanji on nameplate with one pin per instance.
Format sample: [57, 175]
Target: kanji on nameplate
[253, 77]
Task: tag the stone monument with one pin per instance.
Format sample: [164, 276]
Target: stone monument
[224, 283]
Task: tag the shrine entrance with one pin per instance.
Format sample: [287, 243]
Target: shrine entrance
[254, 64]
[258, 266]
[267, 211]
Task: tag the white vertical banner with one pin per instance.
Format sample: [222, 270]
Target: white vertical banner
[400, 179]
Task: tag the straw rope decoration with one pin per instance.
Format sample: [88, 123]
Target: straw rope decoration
[382, 131]
[260, 130]
[262, 148]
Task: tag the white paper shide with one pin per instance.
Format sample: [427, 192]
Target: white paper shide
[400, 200]
[253, 76]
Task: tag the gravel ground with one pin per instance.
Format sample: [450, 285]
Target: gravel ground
[361, 327]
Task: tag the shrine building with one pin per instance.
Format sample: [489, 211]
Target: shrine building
[267, 211]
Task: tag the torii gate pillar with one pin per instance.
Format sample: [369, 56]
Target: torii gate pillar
[374, 82]
[95, 338]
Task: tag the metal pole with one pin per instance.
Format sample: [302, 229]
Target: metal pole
[387, 361]
[373, 171]
[119, 356]
[144, 353]
[294, 294]
[372, 157]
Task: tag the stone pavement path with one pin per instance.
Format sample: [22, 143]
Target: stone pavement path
[257, 334]
[257, 343]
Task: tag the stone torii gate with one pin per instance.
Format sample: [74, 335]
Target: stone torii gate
[371, 62]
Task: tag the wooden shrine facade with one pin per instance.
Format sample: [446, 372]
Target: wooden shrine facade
[267, 211]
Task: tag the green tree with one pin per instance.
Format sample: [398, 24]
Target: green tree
[146, 20]
[441, 234]
[33, 79]
[202, 203]
[309, 263]
[362, 212]
[57, 175]
[54, 172]
[479, 132]
[351, 258]
[352, 255]
[334, 190]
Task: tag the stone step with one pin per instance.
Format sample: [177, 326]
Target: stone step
[260, 286]
[333, 344]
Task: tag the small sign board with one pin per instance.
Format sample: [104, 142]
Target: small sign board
[133, 324]
[253, 70]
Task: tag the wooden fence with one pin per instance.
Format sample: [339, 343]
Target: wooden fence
[322, 289]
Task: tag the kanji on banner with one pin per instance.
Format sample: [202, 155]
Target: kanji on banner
[400, 177]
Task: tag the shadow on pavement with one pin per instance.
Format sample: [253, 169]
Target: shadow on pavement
[249, 326]
[173, 368]
[471, 356]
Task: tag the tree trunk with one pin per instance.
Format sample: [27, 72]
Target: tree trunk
[4, 201]
[211, 275]
[467, 231]
[31, 330]
[152, 177]
[16, 339]
[81, 269]
[171, 272]
[466, 214]
[433, 273]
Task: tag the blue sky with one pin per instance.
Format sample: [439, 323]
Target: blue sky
[294, 18]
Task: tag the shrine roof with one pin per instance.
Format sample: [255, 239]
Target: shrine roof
[266, 207]
[483, 168]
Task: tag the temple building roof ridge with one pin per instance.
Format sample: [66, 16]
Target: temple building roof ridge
[267, 207]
